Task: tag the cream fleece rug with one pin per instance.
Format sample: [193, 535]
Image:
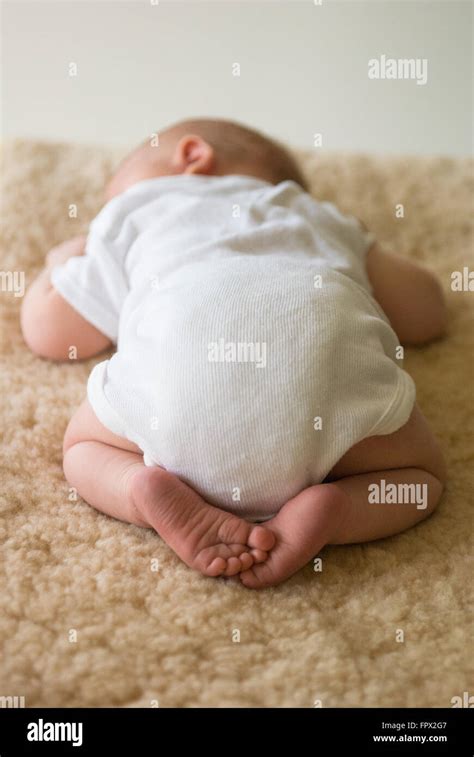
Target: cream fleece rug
[96, 613]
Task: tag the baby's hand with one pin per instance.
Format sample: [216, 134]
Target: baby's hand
[66, 250]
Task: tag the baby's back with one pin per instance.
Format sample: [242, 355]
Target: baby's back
[251, 354]
[252, 376]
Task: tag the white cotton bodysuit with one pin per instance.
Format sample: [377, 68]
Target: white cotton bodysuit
[251, 354]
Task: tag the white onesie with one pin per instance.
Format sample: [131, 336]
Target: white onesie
[251, 354]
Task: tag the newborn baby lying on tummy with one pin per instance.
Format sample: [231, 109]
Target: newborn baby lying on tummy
[256, 377]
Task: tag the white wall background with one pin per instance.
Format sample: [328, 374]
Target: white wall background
[303, 70]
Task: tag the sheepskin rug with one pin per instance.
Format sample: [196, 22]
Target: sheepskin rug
[97, 613]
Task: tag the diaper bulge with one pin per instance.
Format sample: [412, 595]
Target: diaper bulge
[250, 379]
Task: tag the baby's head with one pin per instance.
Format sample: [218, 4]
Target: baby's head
[211, 147]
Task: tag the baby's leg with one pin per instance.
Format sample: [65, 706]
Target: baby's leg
[108, 472]
[382, 486]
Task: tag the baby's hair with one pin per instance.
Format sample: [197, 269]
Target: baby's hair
[239, 142]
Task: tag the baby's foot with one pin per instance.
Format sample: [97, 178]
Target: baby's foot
[206, 538]
[302, 527]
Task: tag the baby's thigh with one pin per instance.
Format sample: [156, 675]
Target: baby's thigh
[412, 446]
[84, 426]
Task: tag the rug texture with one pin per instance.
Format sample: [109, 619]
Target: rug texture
[96, 613]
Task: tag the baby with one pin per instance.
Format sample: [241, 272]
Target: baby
[255, 408]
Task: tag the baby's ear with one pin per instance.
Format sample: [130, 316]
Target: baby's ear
[193, 154]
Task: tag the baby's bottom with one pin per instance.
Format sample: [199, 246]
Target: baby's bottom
[380, 487]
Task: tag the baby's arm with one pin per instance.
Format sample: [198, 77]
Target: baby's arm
[409, 294]
[49, 324]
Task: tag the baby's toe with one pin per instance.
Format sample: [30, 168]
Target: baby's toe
[233, 566]
[216, 567]
[260, 576]
[259, 555]
[261, 538]
[246, 560]
[250, 580]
